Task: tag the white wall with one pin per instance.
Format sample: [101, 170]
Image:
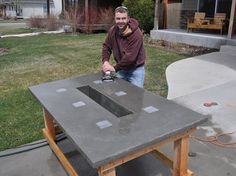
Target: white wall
[173, 15]
[29, 10]
[10, 12]
[57, 8]
[32, 10]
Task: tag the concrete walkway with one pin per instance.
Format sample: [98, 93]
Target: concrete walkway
[192, 82]
[205, 79]
[33, 34]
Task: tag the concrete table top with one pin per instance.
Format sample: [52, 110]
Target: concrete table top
[108, 120]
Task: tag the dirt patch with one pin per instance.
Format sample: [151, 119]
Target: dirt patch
[179, 48]
[3, 51]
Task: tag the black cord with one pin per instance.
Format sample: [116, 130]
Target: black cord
[31, 146]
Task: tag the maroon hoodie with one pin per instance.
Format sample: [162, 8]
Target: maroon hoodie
[128, 51]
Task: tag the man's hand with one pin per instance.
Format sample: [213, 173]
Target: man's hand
[107, 67]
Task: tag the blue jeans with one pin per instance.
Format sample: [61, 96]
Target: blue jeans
[134, 76]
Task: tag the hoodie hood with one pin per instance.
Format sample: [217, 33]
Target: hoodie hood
[131, 26]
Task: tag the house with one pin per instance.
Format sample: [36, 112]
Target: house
[172, 15]
[86, 15]
[92, 15]
[29, 8]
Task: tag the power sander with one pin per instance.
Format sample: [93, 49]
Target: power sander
[108, 76]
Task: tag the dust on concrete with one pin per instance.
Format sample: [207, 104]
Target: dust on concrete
[179, 48]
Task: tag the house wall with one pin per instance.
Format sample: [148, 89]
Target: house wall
[29, 10]
[10, 11]
[57, 7]
[173, 15]
[189, 7]
[178, 13]
[35, 9]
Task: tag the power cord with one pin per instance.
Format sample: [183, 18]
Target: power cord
[31, 146]
[215, 139]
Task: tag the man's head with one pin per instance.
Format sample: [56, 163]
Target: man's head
[121, 16]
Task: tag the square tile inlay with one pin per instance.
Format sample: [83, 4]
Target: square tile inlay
[150, 109]
[120, 93]
[78, 104]
[103, 124]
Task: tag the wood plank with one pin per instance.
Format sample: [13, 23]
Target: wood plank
[111, 172]
[156, 15]
[167, 160]
[66, 164]
[86, 12]
[180, 164]
[232, 19]
[143, 151]
[49, 124]
[165, 4]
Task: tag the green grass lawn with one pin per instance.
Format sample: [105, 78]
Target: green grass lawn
[43, 58]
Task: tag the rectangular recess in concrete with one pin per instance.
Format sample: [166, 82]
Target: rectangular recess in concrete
[104, 101]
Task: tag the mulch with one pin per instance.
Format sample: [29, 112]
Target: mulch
[180, 48]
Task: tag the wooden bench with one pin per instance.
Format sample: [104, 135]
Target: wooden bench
[197, 22]
[200, 22]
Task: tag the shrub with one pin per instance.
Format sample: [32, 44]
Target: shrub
[106, 15]
[143, 11]
[36, 22]
[51, 22]
[74, 16]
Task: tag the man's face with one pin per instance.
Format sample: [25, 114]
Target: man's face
[121, 19]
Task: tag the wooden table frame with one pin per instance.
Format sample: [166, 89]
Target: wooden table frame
[179, 163]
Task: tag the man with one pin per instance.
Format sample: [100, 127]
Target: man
[125, 40]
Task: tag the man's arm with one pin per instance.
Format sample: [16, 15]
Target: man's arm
[106, 53]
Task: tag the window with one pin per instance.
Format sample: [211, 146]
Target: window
[207, 6]
[189, 5]
[210, 7]
[224, 6]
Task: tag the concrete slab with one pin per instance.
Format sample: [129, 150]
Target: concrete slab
[38, 162]
[195, 39]
[208, 78]
[210, 160]
[199, 73]
[222, 115]
[229, 49]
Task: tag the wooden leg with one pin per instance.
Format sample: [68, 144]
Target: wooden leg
[167, 160]
[49, 124]
[50, 135]
[60, 155]
[110, 172]
[180, 165]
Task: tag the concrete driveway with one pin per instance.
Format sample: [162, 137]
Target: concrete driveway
[13, 25]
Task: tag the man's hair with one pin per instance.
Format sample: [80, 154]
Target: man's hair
[122, 9]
